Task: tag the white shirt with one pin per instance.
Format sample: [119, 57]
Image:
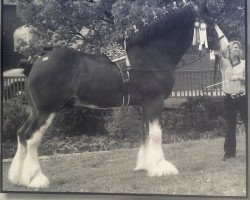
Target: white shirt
[228, 71]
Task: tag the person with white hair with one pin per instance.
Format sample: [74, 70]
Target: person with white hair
[232, 68]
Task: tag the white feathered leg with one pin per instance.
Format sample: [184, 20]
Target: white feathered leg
[17, 164]
[141, 158]
[157, 165]
[151, 156]
[32, 175]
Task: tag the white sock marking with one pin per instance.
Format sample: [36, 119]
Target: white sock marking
[151, 156]
[17, 164]
[141, 161]
[32, 175]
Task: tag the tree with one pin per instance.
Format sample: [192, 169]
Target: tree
[88, 25]
[233, 20]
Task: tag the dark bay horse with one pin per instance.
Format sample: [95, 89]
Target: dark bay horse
[64, 77]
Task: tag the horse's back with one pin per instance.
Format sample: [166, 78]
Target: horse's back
[64, 63]
[55, 61]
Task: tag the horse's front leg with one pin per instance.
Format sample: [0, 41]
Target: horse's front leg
[151, 156]
[141, 158]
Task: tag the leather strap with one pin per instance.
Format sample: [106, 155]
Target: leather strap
[125, 76]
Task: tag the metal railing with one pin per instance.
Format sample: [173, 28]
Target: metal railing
[13, 86]
[187, 83]
[194, 83]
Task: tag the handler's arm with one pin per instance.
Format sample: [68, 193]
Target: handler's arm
[223, 42]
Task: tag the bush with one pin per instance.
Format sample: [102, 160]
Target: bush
[79, 121]
[202, 114]
[73, 130]
[14, 116]
[123, 123]
[199, 114]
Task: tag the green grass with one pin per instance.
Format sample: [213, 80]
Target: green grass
[202, 171]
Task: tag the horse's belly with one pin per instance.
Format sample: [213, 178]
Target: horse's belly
[100, 96]
[100, 89]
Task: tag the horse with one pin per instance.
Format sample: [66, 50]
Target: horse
[63, 78]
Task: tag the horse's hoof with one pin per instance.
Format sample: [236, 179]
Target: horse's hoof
[139, 168]
[163, 168]
[40, 181]
[14, 179]
[14, 172]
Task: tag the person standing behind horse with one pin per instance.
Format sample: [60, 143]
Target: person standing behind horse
[232, 68]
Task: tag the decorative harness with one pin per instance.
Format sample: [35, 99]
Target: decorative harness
[118, 55]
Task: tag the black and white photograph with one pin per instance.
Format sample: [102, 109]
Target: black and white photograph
[124, 97]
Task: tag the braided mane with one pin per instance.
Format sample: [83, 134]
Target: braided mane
[160, 27]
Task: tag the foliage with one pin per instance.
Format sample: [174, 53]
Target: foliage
[79, 121]
[124, 123]
[232, 21]
[89, 25]
[81, 129]
[198, 114]
[202, 114]
[14, 116]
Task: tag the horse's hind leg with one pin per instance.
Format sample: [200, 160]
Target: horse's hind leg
[31, 174]
[151, 156]
[18, 160]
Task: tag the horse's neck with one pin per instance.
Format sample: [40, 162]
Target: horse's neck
[162, 52]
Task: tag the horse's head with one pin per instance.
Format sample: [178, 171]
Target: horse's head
[209, 11]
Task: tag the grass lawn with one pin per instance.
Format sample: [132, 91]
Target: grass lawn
[202, 171]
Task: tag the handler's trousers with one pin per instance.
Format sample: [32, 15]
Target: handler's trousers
[231, 108]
